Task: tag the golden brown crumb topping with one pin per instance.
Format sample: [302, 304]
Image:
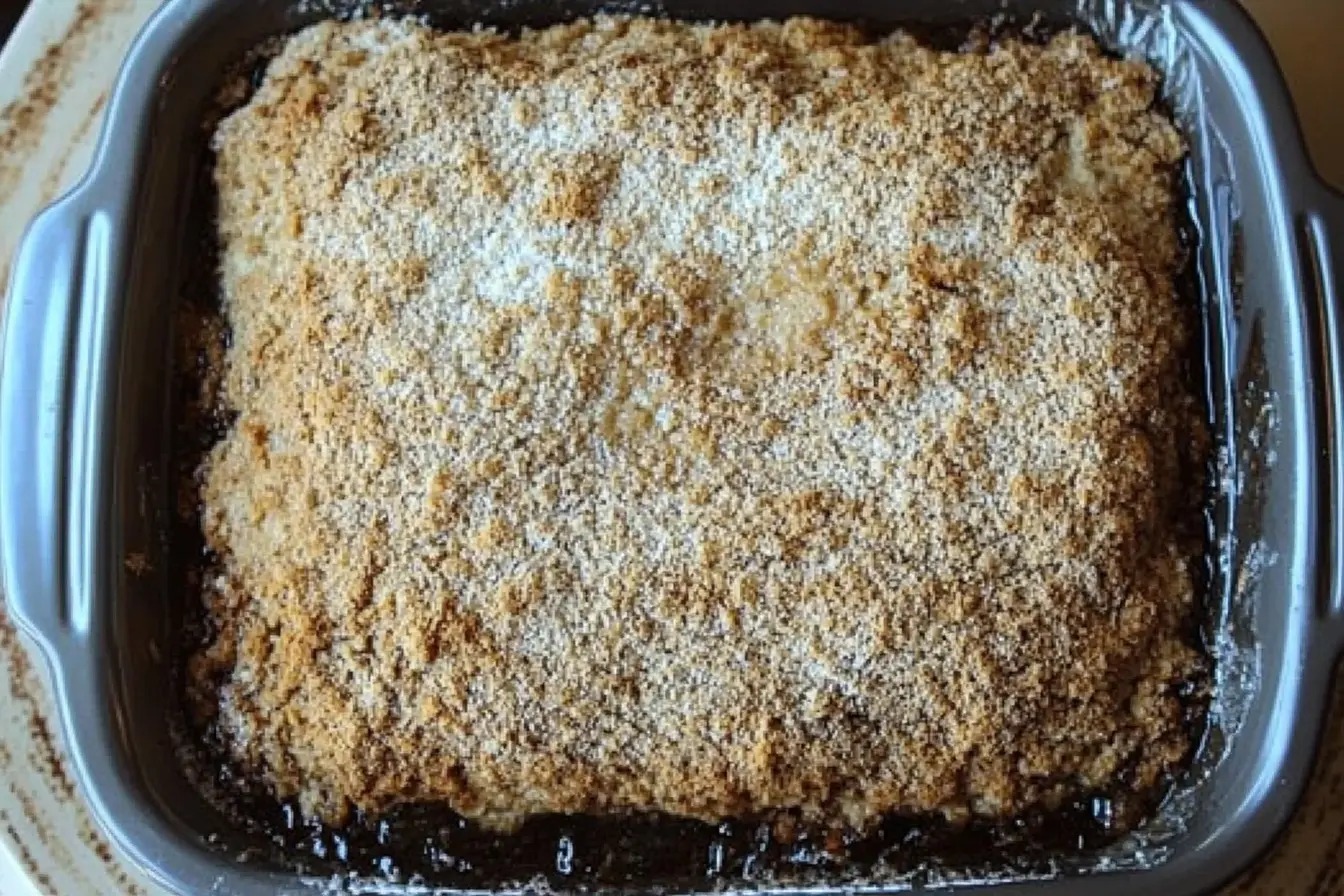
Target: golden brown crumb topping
[704, 418]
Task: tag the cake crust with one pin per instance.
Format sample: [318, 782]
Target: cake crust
[706, 419]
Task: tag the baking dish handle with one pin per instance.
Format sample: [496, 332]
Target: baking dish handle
[1324, 226]
[35, 378]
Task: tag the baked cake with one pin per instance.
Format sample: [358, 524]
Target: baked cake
[637, 415]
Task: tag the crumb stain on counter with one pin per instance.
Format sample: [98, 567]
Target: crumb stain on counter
[23, 122]
[35, 833]
[51, 183]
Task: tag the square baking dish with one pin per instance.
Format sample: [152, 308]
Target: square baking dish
[86, 479]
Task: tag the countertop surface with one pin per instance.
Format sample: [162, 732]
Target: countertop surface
[54, 73]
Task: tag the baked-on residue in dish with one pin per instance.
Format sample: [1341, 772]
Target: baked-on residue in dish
[711, 419]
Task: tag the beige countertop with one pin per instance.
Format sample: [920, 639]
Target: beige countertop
[53, 80]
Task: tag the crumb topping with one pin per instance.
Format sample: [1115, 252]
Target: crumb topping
[712, 419]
